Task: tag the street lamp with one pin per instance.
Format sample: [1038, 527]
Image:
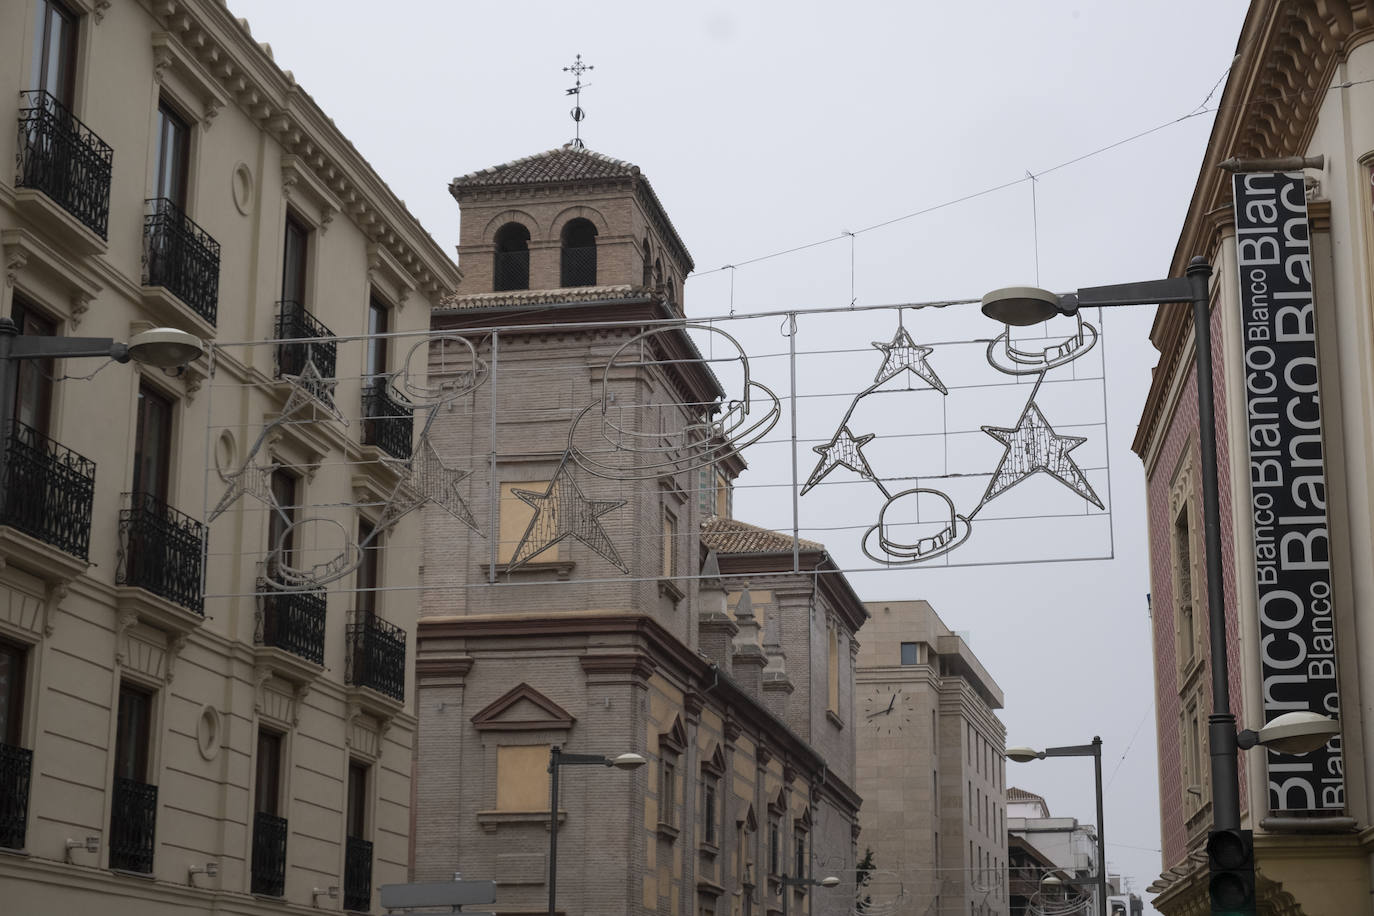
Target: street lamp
[164, 348]
[786, 882]
[1025, 306]
[559, 759]
[1094, 750]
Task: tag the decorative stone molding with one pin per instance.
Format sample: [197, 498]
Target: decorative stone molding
[523, 708]
[16, 259]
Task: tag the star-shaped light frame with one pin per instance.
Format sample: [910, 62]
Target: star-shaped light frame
[1033, 447]
[563, 511]
[843, 449]
[904, 354]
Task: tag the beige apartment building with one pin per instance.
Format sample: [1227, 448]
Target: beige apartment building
[1301, 85]
[931, 766]
[178, 734]
[595, 595]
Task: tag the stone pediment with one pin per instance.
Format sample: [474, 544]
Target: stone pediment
[523, 709]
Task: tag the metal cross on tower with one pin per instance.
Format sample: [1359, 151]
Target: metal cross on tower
[577, 114]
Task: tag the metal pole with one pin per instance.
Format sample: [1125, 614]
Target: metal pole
[1221, 724]
[553, 827]
[1101, 831]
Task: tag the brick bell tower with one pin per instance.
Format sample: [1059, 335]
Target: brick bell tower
[566, 219]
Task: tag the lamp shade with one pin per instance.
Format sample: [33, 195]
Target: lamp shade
[165, 348]
[1021, 305]
[1298, 732]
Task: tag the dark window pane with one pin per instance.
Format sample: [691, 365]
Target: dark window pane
[366, 598]
[293, 261]
[284, 515]
[377, 324]
[173, 152]
[33, 396]
[11, 692]
[152, 444]
[267, 791]
[54, 53]
[910, 654]
[357, 800]
[132, 731]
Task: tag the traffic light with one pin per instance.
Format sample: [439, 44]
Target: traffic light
[1231, 868]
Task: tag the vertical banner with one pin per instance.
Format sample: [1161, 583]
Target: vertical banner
[1287, 480]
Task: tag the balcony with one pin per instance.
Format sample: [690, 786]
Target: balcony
[310, 342]
[387, 422]
[133, 826]
[161, 550]
[62, 158]
[376, 656]
[16, 771]
[47, 490]
[294, 623]
[269, 854]
[511, 270]
[577, 267]
[357, 875]
[182, 257]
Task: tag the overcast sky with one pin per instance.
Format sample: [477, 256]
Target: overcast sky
[765, 126]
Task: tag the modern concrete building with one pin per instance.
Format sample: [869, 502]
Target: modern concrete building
[1295, 476]
[162, 751]
[1046, 846]
[597, 597]
[931, 767]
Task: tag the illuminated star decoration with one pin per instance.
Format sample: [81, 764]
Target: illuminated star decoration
[844, 449]
[903, 353]
[429, 481]
[1033, 446]
[253, 479]
[309, 386]
[563, 511]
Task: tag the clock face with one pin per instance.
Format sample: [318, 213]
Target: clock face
[887, 710]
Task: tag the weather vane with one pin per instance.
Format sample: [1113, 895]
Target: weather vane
[577, 114]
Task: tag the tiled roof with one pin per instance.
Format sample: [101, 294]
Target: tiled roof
[1021, 795]
[567, 163]
[730, 536]
[528, 297]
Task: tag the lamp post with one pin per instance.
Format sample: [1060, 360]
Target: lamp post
[786, 882]
[1304, 732]
[1094, 750]
[161, 347]
[559, 759]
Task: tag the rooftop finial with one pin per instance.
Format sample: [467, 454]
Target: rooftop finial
[577, 69]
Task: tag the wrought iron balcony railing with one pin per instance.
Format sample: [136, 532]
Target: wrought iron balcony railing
[269, 854]
[181, 256]
[387, 422]
[64, 159]
[511, 271]
[357, 875]
[578, 266]
[318, 345]
[133, 825]
[47, 490]
[16, 771]
[294, 621]
[162, 550]
[376, 655]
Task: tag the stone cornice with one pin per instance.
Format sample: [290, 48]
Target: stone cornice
[246, 74]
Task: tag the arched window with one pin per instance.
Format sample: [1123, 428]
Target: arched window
[578, 265]
[512, 267]
[648, 267]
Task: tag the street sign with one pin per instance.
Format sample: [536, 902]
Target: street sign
[439, 893]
